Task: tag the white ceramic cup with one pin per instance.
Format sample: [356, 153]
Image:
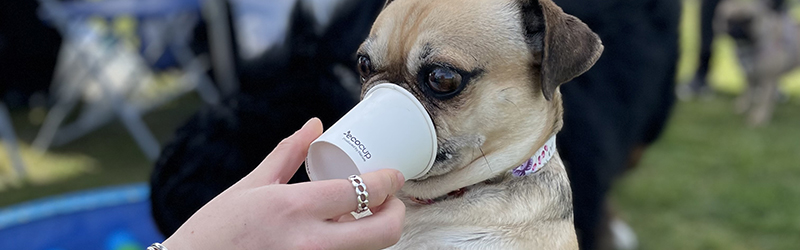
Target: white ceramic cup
[388, 129]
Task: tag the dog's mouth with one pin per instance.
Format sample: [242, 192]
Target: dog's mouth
[452, 153]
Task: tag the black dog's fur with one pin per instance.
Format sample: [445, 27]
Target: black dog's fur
[28, 53]
[279, 92]
[619, 105]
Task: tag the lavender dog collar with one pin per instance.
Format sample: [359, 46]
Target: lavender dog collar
[538, 160]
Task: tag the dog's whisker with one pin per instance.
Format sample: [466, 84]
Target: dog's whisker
[515, 105]
[506, 99]
[484, 158]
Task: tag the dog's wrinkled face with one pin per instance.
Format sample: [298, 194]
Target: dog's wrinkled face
[739, 19]
[487, 73]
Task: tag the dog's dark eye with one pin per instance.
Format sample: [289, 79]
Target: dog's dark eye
[364, 67]
[443, 80]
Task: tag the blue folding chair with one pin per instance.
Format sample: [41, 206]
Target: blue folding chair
[100, 69]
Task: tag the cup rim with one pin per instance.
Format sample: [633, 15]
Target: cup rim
[310, 171]
[428, 121]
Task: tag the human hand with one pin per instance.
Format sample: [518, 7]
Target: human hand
[262, 212]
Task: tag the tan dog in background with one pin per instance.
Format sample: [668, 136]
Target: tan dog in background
[488, 74]
[767, 45]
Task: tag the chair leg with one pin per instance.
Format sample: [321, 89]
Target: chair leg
[132, 120]
[195, 65]
[52, 122]
[129, 116]
[91, 118]
[215, 14]
[49, 133]
[10, 139]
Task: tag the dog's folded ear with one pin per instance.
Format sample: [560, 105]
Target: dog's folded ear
[387, 3]
[563, 47]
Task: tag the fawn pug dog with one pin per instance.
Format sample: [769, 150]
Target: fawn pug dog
[488, 74]
[767, 45]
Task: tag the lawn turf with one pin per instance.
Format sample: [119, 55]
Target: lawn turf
[112, 155]
[711, 182]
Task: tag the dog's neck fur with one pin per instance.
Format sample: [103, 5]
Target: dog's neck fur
[539, 205]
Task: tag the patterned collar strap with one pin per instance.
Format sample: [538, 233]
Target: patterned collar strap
[538, 160]
[534, 164]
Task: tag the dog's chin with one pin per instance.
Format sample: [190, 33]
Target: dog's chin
[433, 185]
[443, 167]
[462, 162]
[454, 153]
[449, 176]
[467, 164]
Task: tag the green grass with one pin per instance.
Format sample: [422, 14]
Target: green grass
[46, 167]
[109, 156]
[711, 182]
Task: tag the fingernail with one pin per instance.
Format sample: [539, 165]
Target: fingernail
[307, 123]
[400, 179]
[304, 125]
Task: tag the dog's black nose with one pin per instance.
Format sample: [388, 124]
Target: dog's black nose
[739, 28]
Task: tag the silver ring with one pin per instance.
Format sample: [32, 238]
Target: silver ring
[156, 246]
[362, 210]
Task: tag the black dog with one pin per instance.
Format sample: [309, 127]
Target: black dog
[279, 91]
[28, 53]
[620, 106]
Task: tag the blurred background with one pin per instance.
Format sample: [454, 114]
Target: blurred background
[91, 91]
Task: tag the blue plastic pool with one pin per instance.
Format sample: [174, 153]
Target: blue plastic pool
[116, 218]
